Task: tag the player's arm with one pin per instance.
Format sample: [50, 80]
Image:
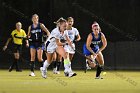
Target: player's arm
[26, 39]
[88, 43]
[45, 29]
[29, 32]
[78, 37]
[6, 44]
[68, 41]
[104, 41]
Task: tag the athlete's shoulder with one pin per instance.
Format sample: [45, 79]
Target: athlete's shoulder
[55, 30]
[73, 28]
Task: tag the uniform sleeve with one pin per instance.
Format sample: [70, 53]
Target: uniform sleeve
[12, 34]
[76, 32]
[24, 34]
[55, 34]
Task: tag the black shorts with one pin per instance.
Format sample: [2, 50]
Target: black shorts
[17, 48]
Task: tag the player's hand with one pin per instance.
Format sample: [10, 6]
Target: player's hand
[4, 48]
[27, 45]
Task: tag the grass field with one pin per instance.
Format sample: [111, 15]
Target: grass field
[113, 82]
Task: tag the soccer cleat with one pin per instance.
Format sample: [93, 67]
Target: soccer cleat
[43, 73]
[32, 74]
[72, 74]
[57, 72]
[66, 74]
[54, 70]
[99, 77]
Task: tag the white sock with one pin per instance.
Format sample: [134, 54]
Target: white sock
[70, 67]
[45, 65]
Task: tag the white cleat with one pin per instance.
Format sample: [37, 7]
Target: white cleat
[32, 74]
[71, 74]
[57, 72]
[43, 73]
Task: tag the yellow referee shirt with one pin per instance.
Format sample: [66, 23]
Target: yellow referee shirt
[20, 33]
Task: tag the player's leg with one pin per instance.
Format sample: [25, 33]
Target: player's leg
[100, 65]
[50, 48]
[32, 61]
[60, 50]
[39, 56]
[54, 61]
[58, 64]
[46, 64]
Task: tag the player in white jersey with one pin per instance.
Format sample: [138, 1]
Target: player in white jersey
[74, 36]
[53, 44]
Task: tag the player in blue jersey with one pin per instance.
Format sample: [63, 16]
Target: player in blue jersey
[35, 35]
[91, 48]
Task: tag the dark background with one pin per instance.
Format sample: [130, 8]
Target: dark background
[119, 21]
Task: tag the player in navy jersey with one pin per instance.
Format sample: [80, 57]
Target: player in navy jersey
[35, 35]
[91, 48]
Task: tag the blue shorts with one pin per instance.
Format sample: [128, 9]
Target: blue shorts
[87, 52]
[36, 45]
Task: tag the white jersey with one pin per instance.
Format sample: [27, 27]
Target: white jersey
[51, 41]
[72, 33]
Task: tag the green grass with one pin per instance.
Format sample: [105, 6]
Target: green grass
[113, 82]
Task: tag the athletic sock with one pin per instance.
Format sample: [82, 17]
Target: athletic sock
[41, 64]
[58, 66]
[46, 65]
[99, 70]
[16, 63]
[54, 64]
[32, 66]
[66, 65]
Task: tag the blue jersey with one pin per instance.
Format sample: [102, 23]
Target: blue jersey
[36, 33]
[95, 41]
[94, 44]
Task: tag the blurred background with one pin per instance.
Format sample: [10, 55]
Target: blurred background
[118, 19]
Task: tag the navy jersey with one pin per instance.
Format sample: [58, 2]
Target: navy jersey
[96, 41]
[36, 33]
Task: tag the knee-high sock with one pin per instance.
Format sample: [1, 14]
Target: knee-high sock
[99, 70]
[46, 65]
[32, 66]
[17, 64]
[54, 64]
[58, 66]
[66, 65]
[41, 63]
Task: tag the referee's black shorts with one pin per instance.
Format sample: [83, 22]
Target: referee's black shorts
[17, 48]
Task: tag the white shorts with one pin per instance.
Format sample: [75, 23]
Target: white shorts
[51, 47]
[69, 49]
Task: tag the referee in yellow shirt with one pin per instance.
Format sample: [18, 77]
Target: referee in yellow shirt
[17, 36]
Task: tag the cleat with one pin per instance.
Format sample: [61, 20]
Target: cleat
[72, 74]
[32, 74]
[99, 77]
[43, 73]
[10, 69]
[66, 74]
[54, 70]
[57, 72]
